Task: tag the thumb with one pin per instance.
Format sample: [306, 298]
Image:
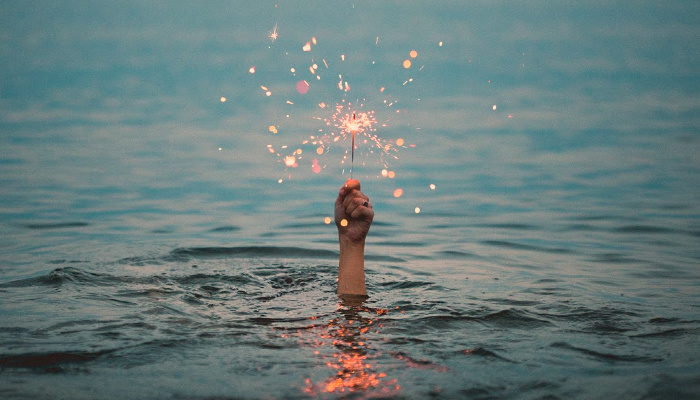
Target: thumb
[351, 184]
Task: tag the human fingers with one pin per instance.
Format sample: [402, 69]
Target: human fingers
[357, 203]
[355, 194]
[363, 211]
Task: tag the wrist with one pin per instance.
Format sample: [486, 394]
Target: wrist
[351, 267]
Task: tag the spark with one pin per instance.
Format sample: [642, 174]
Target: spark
[342, 122]
[274, 34]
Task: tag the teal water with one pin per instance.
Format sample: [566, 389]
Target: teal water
[153, 247]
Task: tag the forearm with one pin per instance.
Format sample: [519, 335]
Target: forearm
[351, 267]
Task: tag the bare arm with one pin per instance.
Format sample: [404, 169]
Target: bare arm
[353, 217]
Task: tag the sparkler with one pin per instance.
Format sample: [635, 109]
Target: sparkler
[352, 156]
[343, 119]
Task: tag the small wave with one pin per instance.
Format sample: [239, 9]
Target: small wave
[404, 284]
[642, 229]
[45, 360]
[400, 244]
[226, 229]
[512, 302]
[454, 254]
[57, 225]
[608, 357]
[513, 226]
[613, 258]
[521, 246]
[185, 253]
[512, 318]
[419, 364]
[667, 333]
[482, 352]
[60, 276]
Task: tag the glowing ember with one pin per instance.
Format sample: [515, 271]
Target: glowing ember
[432, 186]
[398, 193]
[291, 161]
[272, 129]
[327, 220]
[252, 70]
[417, 210]
[223, 99]
[302, 87]
[273, 35]
[413, 54]
[407, 64]
[315, 167]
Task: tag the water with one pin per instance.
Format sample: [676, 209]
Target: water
[148, 250]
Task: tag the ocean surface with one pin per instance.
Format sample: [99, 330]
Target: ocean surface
[158, 243]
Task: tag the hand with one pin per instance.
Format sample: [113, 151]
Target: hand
[354, 207]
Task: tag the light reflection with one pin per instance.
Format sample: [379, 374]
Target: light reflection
[353, 355]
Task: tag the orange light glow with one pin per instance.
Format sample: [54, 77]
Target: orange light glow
[407, 64]
[291, 161]
[417, 210]
[302, 87]
[392, 175]
[272, 129]
[307, 47]
[398, 193]
[432, 186]
[252, 70]
[353, 374]
[343, 222]
[327, 220]
[273, 35]
[223, 99]
[319, 150]
[399, 142]
[413, 54]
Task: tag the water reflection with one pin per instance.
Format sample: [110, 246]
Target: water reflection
[345, 344]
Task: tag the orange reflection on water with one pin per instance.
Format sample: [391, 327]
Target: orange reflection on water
[351, 360]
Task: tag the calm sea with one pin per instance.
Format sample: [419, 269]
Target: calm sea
[155, 245]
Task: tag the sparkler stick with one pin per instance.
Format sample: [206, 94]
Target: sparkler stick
[352, 153]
